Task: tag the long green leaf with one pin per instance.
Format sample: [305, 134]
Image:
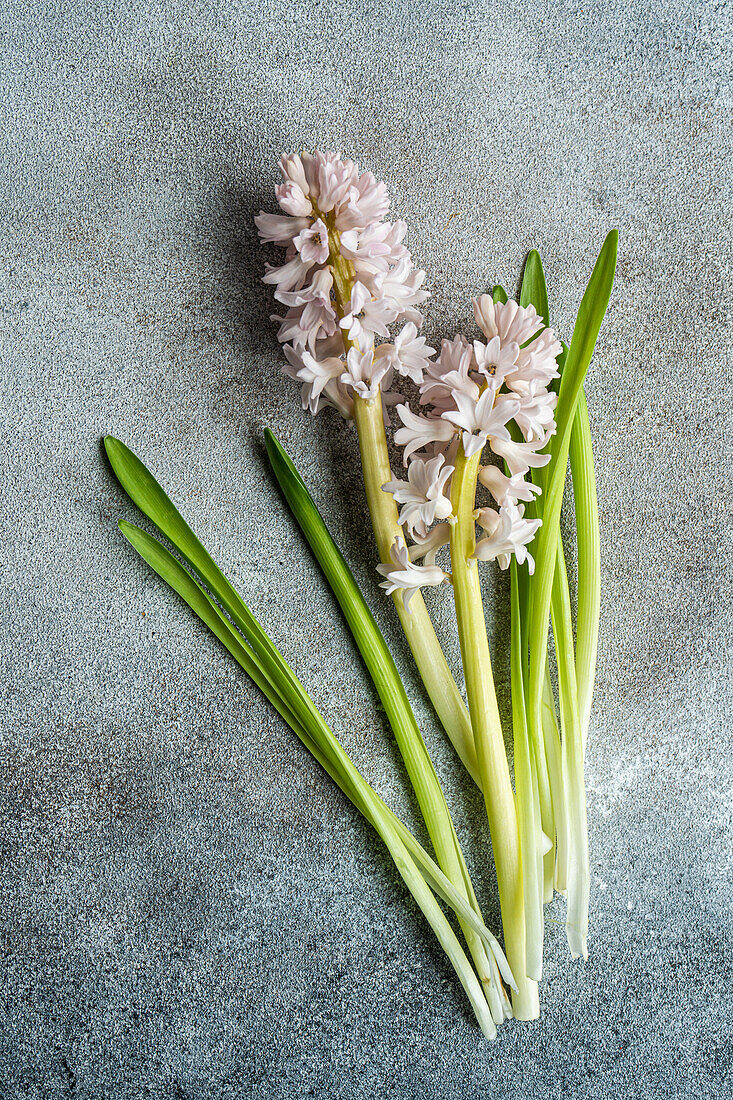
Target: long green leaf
[150, 497]
[578, 872]
[384, 674]
[587, 326]
[589, 559]
[529, 827]
[337, 763]
[552, 480]
[547, 757]
[170, 569]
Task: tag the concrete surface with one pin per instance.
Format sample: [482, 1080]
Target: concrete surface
[188, 908]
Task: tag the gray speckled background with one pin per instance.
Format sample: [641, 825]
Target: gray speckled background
[188, 908]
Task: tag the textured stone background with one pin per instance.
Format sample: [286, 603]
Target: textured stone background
[188, 908]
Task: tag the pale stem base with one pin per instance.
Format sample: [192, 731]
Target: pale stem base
[488, 736]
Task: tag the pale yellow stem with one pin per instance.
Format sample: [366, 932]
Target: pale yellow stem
[488, 737]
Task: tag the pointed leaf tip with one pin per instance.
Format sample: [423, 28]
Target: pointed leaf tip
[534, 288]
[272, 446]
[111, 445]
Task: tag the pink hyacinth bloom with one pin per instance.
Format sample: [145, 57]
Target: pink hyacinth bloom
[327, 205]
[422, 496]
[312, 243]
[403, 575]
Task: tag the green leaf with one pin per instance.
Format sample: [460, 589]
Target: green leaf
[273, 675]
[499, 295]
[384, 674]
[534, 288]
[416, 868]
[529, 827]
[533, 292]
[148, 495]
[590, 315]
[549, 586]
[589, 558]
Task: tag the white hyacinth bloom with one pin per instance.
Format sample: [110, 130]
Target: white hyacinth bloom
[311, 314]
[318, 372]
[367, 202]
[481, 420]
[418, 432]
[364, 373]
[292, 168]
[512, 323]
[293, 199]
[520, 457]
[360, 295]
[312, 243]
[411, 353]
[508, 533]
[494, 361]
[405, 575]
[335, 180]
[428, 547]
[369, 250]
[537, 361]
[291, 276]
[535, 416]
[422, 495]
[331, 212]
[449, 373]
[504, 488]
[320, 384]
[279, 229]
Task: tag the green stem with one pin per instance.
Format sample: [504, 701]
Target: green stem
[416, 623]
[385, 676]
[487, 732]
[529, 827]
[589, 560]
[553, 753]
[578, 881]
[547, 815]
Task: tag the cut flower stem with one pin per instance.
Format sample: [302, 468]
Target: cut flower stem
[488, 737]
[416, 623]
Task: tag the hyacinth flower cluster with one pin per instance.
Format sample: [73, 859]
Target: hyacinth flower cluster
[474, 392]
[497, 417]
[347, 280]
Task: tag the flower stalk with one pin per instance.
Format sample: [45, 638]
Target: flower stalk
[347, 278]
[416, 623]
[369, 421]
[487, 731]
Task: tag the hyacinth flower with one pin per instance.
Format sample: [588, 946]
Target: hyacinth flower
[488, 396]
[501, 396]
[346, 280]
[347, 276]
